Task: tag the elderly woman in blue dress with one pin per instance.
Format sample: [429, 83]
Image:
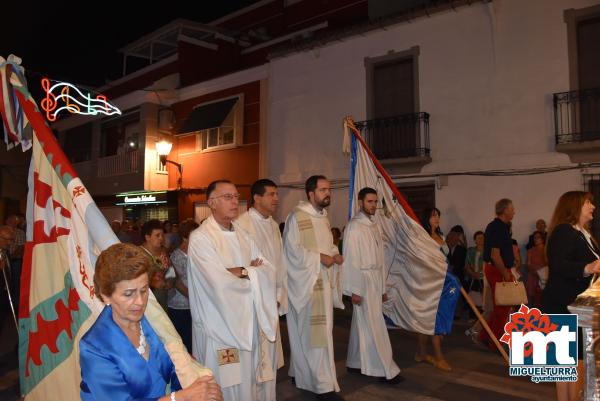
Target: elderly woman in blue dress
[121, 356]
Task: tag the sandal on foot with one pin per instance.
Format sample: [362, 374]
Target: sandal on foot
[442, 364]
[427, 358]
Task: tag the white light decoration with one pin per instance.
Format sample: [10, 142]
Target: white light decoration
[64, 96]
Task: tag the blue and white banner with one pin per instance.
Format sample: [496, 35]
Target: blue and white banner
[422, 293]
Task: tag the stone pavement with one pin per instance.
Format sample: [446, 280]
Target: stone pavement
[477, 374]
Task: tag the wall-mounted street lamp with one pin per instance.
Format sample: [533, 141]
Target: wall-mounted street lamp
[163, 148]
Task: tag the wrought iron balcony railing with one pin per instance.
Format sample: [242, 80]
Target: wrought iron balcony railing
[577, 116]
[397, 137]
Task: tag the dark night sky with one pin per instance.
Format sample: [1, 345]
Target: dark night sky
[65, 41]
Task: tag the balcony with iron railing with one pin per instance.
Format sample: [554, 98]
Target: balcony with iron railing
[577, 124]
[106, 175]
[401, 142]
[121, 164]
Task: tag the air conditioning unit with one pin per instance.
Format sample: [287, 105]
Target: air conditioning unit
[165, 120]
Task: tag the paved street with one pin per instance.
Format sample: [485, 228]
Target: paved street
[477, 374]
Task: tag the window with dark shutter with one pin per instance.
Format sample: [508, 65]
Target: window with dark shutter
[588, 64]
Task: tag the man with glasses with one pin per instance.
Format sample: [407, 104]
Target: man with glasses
[314, 283]
[7, 237]
[232, 299]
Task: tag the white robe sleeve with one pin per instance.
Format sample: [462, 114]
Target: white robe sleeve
[302, 265]
[262, 282]
[282, 280]
[223, 303]
[282, 292]
[337, 287]
[353, 282]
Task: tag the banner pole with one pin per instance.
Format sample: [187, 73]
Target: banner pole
[10, 300]
[484, 324]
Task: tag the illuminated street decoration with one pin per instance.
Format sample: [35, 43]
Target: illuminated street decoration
[65, 96]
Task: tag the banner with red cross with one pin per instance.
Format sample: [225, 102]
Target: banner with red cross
[65, 233]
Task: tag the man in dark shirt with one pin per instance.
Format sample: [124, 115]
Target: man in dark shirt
[499, 259]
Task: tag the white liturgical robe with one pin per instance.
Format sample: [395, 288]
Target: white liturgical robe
[369, 347]
[265, 233]
[312, 366]
[230, 314]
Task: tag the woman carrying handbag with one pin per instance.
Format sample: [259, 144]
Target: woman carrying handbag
[573, 257]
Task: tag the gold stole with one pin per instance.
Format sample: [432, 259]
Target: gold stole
[318, 319]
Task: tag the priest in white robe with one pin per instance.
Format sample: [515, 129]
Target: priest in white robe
[369, 348]
[232, 299]
[314, 287]
[258, 223]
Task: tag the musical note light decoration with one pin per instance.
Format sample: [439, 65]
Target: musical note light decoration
[76, 103]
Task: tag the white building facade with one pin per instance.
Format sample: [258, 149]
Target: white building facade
[484, 74]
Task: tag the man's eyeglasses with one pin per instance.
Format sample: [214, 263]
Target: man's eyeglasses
[227, 197]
